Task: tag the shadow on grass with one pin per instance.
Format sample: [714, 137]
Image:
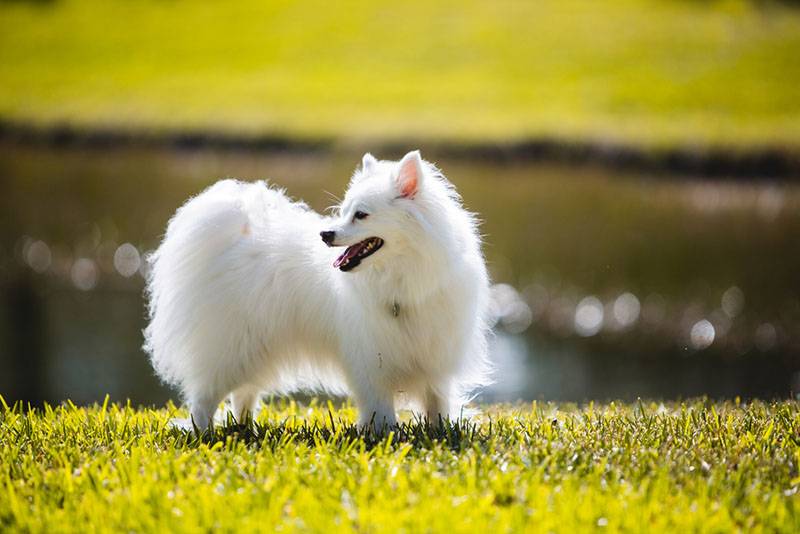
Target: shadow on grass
[422, 433]
[111, 422]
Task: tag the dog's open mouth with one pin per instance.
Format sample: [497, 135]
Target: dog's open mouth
[353, 255]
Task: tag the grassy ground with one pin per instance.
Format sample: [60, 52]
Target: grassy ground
[542, 468]
[646, 72]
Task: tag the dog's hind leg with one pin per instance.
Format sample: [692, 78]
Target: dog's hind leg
[201, 413]
[202, 408]
[244, 402]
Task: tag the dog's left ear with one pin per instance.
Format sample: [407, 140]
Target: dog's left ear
[408, 177]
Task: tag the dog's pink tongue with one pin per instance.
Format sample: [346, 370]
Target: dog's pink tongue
[346, 255]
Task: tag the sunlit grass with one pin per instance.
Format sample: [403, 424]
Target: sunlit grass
[648, 72]
[536, 467]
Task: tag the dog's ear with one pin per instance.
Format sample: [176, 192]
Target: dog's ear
[368, 162]
[408, 177]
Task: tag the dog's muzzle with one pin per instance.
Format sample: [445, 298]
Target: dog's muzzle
[327, 237]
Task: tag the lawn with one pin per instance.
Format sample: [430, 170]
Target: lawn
[648, 73]
[698, 466]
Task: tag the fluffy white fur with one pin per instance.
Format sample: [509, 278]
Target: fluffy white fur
[244, 297]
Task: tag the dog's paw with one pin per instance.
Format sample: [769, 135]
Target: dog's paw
[181, 424]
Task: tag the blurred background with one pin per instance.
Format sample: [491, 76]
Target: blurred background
[635, 163]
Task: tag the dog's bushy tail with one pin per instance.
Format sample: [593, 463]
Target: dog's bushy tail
[197, 235]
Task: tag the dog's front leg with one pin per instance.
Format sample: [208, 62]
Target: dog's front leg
[437, 406]
[375, 408]
[374, 399]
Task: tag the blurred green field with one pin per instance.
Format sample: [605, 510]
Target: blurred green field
[694, 467]
[645, 72]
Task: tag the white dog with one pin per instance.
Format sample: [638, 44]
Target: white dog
[246, 298]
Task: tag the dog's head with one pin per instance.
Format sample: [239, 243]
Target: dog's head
[381, 213]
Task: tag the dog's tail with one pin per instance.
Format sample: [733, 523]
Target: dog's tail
[197, 236]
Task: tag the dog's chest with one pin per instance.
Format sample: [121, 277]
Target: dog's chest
[411, 334]
[415, 329]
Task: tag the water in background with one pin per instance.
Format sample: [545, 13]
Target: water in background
[609, 284]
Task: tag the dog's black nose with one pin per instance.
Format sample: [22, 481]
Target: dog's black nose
[327, 237]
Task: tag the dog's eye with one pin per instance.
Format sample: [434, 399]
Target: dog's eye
[360, 215]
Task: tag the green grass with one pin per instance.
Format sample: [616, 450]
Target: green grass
[698, 466]
[645, 72]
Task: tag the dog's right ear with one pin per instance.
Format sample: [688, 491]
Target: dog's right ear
[408, 177]
[368, 162]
